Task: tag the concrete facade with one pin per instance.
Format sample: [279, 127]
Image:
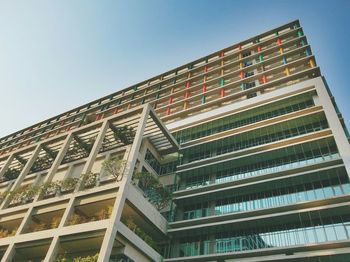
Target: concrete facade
[248, 140]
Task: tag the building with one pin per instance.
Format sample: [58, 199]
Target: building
[248, 139]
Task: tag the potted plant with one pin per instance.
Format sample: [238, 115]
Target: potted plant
[146, 180]
[89, 179]
[114, 167]
[49, 189]
[93, 258]
[68, 185]
[156, 193]
[22, 195]
[162, 197]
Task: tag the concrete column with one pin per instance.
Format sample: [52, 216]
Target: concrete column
[6, 166]
[10, 252]
[334, 123]
[56, 163]
[94, 151]
[111, 231]
[53, 250]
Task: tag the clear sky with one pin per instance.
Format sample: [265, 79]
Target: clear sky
[57, 55]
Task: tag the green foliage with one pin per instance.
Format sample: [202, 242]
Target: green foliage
[23, 194]
[124, 134]
[68, 184]
[157, 194]
[49, 188]
[104, 213]
[63, 258]
[147, 181]
[114, 167]
[89, 179]
[6, 233]
[10, 174]
[141, 233]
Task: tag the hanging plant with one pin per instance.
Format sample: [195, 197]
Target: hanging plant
[124, 134]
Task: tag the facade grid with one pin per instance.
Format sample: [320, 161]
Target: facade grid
[241, 155]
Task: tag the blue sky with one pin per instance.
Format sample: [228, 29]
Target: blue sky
[57, 55]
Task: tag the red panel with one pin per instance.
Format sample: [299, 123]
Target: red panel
[204, 88]
[241, 75]
[222, 92]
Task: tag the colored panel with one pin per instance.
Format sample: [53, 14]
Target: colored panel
[261, 57]
[307, 52]
[205, 68]
[171, 100]
[300, 33]
[312, 63]
[203, 99]
[259, 48]
[222, 92]
[279, 41]
[264, 79]
[286, 71]
[222, 82]
[241, 74]
[204, 88]
[168, 111]
[281, 50]
[187, 94]
[185, 105]
[284, 60]
[188, 84]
